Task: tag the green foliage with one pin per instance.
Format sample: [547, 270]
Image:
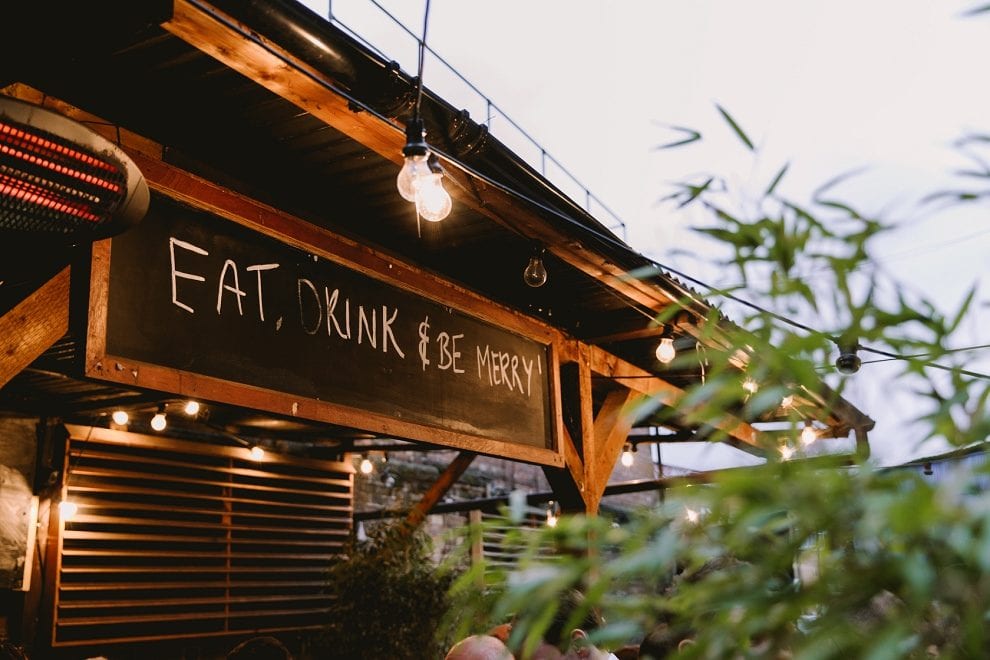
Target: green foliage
[817, 558]
[389, 598]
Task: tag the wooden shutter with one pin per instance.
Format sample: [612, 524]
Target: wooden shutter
[175, 539]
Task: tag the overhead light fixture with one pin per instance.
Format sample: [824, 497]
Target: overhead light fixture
[191, 408]
[61, 180]
[808, 434]
[366, 465]
[158, 422]
[432, 202]
[750, 385]
[787, 401]
[666, 352]
[120, 417]
[67, 510]
[535, 273]
[786, 452]
[257, 453]
[553, 513]
[421, 178]
[627, 454]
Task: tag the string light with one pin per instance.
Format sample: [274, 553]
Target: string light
[691, 515]
[257, 453]
[158, 422]
[67, 510]
[787, 401]
[535, 273]
[750, 386]
[191, 408]
[120, 417]
[808, 434]
[366, 465]
[421, 178]
[627, 454]
[666, 351]
[552, 512]
[786, 452]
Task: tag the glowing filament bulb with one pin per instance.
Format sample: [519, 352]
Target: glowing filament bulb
[432, 201]
[666, 351]
[691, 515]
[257, 453]
[750, 386]
[119, 417]
[787, 401]
[366, 466]
[551, 519]
[192, 408]
[158, 422]
[413, 170]
[67, 510]
[786, 452]
[627, 456]
[808, 434]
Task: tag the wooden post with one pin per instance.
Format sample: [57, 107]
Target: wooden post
[30, 328]
[439, 488]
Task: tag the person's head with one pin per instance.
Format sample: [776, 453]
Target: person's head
[260, 648]
[572, 625]
[479, 647]
[663, 640]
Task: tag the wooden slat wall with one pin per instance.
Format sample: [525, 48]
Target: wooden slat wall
[181, 539]
[504, 544]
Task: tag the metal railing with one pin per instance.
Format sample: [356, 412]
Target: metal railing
[499, 124]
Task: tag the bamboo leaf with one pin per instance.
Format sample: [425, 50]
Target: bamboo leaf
[776, 180]
[735, 127]
[690, 135]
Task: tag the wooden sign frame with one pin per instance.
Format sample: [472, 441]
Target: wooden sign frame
[201, 194]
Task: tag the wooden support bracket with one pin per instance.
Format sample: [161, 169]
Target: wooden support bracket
[30, 328]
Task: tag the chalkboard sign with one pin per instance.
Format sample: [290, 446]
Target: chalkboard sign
[200, 294]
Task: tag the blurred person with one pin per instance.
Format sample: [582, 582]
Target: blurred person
[260, 648]
[479, 647]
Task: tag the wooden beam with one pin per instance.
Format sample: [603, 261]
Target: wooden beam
[589, 447]
[642, 381]
[30, 328]
[439, 488]
[612, 426]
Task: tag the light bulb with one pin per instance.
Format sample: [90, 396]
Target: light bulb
[808, 434]
[786, 451]
[787, 401]
[551, 519]
[535, 274]
[750, 385]
[627, 456]
[119, 417]
[691, 515]
[666, 351]
[432, 202]
[158, 422]
[192, 408]
[413, 170]
[257, 453]
[366, 466]
[67, 510]
[848, 362]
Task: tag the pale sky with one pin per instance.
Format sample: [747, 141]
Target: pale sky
[828, 87]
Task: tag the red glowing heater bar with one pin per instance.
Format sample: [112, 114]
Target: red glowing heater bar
[60, 179]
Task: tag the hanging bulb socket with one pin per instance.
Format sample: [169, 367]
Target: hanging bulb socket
[535, 273]
[415, 168]
[158, 422]
[433, 202]
[848, 361]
